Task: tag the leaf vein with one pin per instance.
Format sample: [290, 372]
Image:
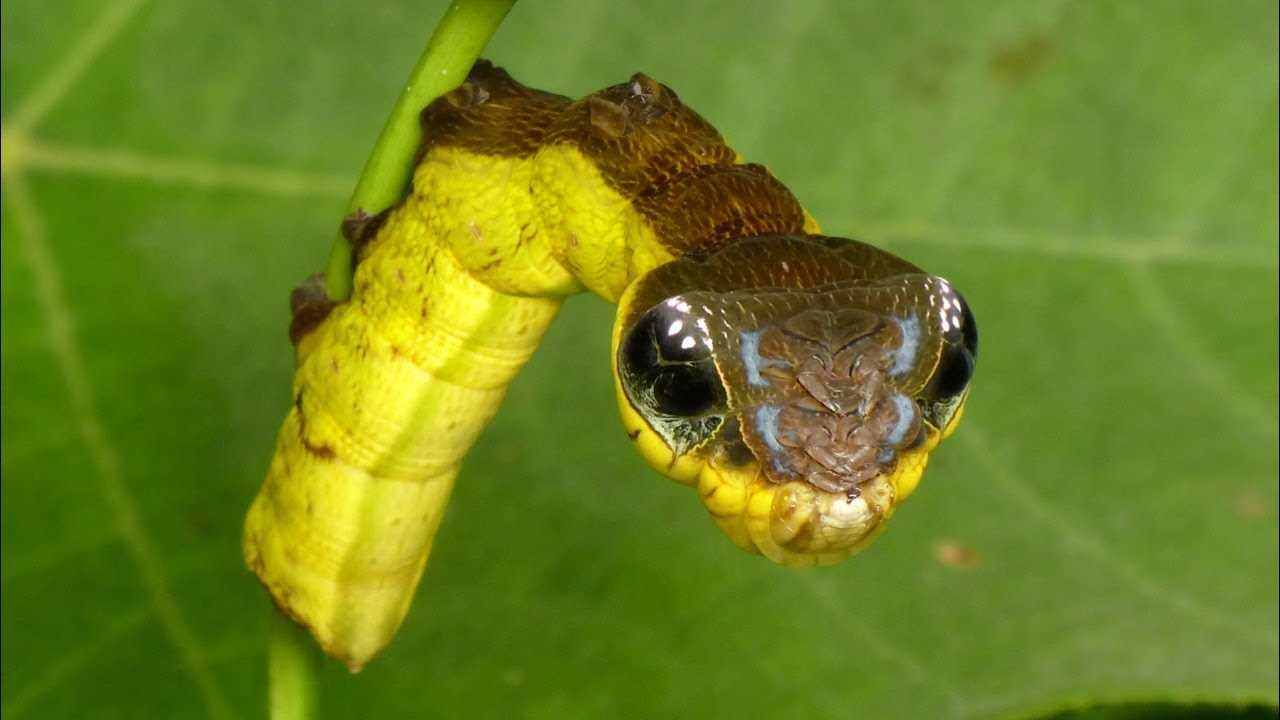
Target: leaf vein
[72, 662]
[60, 323]
[73, 65]
[1207, 369]
[117, 163]
[1075, 537]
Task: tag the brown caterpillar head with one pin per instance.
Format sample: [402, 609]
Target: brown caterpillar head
[804, 379]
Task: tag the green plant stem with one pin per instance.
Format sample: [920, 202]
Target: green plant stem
[292, 660]
[457, 41]
[459, 37]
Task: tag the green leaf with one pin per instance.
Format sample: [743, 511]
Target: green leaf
[1098, 178]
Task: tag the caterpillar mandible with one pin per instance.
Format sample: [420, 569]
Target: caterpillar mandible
[798, 382]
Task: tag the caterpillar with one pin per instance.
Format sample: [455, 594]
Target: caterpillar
[798, 382]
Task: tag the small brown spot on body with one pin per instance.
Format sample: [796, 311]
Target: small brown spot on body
[955, 554]
[320, 450]
[633, 434]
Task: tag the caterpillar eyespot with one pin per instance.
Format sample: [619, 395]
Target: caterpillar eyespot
[798, 381]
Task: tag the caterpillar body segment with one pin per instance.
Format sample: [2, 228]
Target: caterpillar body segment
[629, 178]
[451, 296]
[797, 382]
[397, 385]
[477, 181]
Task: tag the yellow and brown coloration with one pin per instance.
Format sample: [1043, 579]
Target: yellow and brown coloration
[798, 381]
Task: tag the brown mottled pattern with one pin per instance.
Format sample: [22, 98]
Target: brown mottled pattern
[491, 114]
[640, 136]
[714, 205]
[825, 354]
[739, 235]
[803, 261]
[649, 147]
[675, 168]
[833, 431]
[653, 149]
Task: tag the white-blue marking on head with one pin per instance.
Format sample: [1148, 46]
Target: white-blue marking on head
[905, 356]
[751, 360]
[767, 425]
[906, 410]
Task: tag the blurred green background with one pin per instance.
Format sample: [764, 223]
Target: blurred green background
[1099, 178]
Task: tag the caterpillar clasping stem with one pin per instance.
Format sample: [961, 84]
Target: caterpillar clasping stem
[798, 381]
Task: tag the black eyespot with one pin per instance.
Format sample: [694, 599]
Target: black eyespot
[685, 390]
[640, 349]
[679, 338]
[666, 364]
[668, 333]
[955, 368]
[969, 328]
[945, 389]
[669, 376]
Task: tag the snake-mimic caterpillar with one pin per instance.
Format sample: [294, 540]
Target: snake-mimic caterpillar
[798, 381]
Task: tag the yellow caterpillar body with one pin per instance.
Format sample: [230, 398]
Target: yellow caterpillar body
[520, 199]
[393, 390]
